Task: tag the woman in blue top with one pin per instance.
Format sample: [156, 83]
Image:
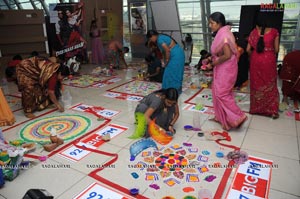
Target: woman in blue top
[173, 58]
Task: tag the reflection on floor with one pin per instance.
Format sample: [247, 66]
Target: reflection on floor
[192, 164]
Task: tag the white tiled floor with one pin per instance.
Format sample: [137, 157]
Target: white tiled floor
[276, 140]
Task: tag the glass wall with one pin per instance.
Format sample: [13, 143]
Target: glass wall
[190, 21]
[190, 17]
[289, 26]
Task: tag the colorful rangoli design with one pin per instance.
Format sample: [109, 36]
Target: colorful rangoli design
[67, 127]
[136, 87]
[83, 81]
[174, 164]
[171, 162]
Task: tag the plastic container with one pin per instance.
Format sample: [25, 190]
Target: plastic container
[67, 99]
[197, 121]
[204, 194]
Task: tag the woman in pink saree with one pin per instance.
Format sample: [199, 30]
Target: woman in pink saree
[262, 47]
[224, 63]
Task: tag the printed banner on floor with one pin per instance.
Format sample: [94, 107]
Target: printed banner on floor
[252, 179]
[107, 82]
[96, 190]
[123, 96]
[75, 154]
[96, 110]
[205, 109]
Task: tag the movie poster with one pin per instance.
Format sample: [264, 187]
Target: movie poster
[138, 18]
[66, 21]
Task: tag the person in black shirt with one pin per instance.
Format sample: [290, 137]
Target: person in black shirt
[155, 70]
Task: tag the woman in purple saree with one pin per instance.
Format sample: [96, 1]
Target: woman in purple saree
[224, 63]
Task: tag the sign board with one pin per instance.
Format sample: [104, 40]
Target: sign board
[96, 190]
[75, 154]
[96, 110]
[252, 179]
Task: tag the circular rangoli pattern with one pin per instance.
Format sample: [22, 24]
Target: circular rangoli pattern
[67, 127]
[171, 162]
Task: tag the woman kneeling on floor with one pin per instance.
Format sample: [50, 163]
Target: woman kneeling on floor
[162, 107]
[39, 80]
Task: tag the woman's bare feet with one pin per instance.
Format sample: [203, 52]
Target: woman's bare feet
[214, 119]
[30, 115]
[51, 106]
[242, 122]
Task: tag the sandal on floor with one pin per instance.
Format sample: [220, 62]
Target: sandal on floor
[50, 147]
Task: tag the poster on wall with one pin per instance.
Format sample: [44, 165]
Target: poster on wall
[138, 18]
[66, 21]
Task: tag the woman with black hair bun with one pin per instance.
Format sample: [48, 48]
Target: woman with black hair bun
[162, 106]
[173, 59]
[262, 47]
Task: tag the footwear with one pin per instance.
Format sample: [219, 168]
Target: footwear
[275, 116]
[50, 147]
[60, 141]
[57, 140]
